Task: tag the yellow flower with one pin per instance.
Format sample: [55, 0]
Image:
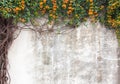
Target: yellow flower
[77, 16]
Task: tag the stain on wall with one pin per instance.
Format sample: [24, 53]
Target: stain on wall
[84, 55]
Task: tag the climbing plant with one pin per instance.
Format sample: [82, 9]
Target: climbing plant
[76, 11]
[106, 11]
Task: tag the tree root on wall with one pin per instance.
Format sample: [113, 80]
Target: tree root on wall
[7, 29]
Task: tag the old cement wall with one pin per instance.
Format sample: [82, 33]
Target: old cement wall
[85, 55]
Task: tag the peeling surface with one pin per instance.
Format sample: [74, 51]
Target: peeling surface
[85, 55]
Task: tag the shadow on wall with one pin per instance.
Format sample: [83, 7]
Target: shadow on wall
[118, 65]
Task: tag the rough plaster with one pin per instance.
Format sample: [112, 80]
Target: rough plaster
[85, 55]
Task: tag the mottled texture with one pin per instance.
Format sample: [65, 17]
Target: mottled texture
[84, 55]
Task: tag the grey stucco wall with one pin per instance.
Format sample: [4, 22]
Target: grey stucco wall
[84, 55]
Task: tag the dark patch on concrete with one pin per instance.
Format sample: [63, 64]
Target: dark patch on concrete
[46, 58]
[119, 66]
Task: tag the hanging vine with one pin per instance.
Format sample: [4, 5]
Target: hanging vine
[7, 29]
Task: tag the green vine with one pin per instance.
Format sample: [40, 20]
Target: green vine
[106, 11]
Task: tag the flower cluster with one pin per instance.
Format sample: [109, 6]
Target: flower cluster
[70, 8]
[92, 11]
[53, 10]
[75, 10]
[43, 6]
[113, 15]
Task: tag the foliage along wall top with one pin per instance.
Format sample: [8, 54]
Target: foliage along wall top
[106, 11]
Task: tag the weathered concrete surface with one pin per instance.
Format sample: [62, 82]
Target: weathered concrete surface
[85, 55]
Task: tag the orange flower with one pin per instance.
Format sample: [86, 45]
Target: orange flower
[65, 1]
[43, 11]
[23, 7]
[54, 7]
[22, 19]
[54, 16]
[41, 6]
[64, 6]
[90, 12]
[70, 8]
[69, 12]
[91, 0]
[95, 13]
[53, 1]
[44, 1]
[22, 2]
[17, 8]
[41, 3]
[47, 7]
